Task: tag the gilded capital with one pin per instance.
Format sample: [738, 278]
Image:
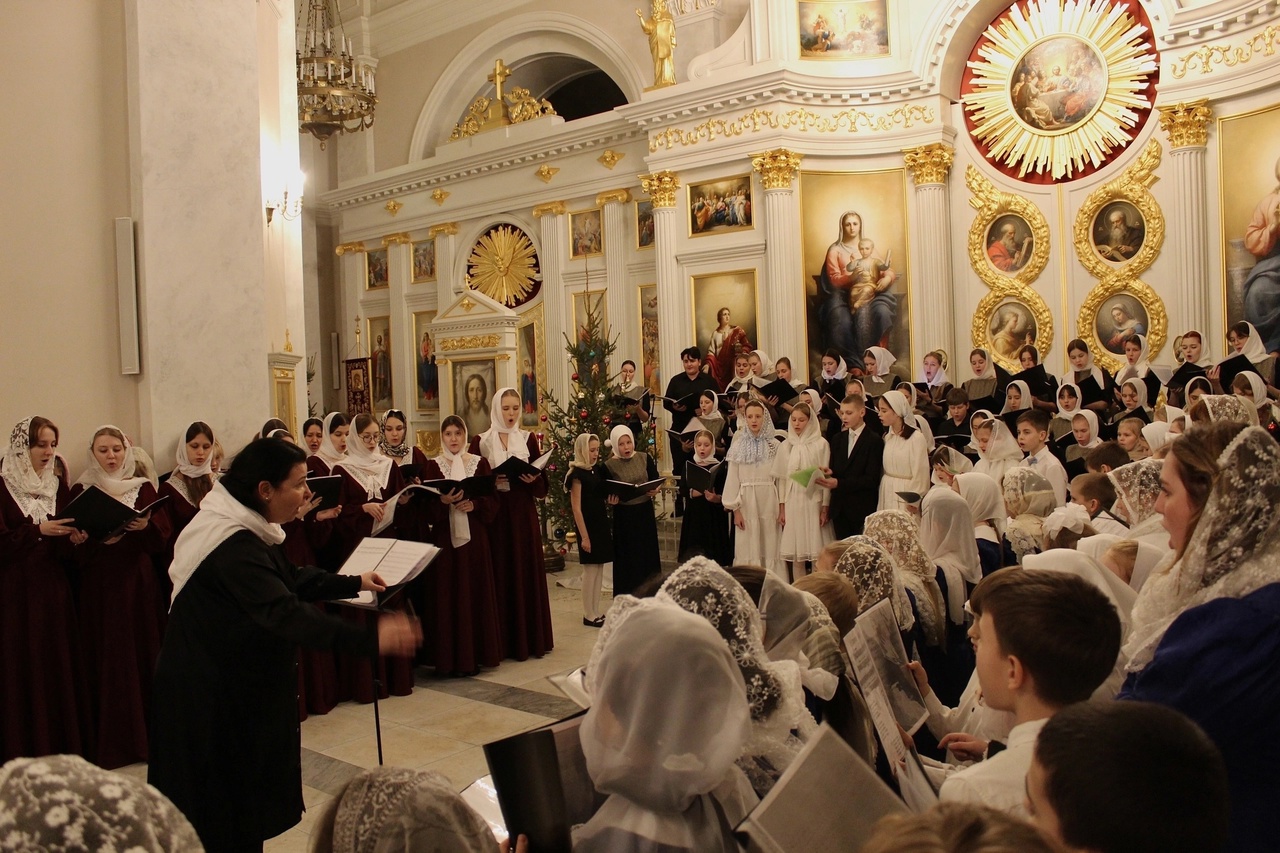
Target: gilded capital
[401, 239]
[661, 188]
[553, 208]
[777, 168]
[929, 164]
[621, 196]
[349, 248]
[1187, 123]
[449, 228]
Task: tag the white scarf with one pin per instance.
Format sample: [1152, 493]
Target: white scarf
[989, 371]
[370, 468]
[884, 360]
[458, 467]
[939, 378]
[1139, 369]
[1206, 361]
[841, 371]
[123, 484]
[35, 494]
[329, 452]
[220, 517]
[1068, 414]
[1253, 347]
[185, 468]
[490, 441]
[1089, 368]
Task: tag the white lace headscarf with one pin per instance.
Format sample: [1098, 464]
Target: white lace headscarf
[1233, 551]
[458, 466]
[1064, 413]
[328, 451]
[774, 691]
[668, 719]
[35, 494]
[1138, 369]
[1024, 401]
[1137, 490]
[1028, 498]
[874, 575]
[122, 484]
[1229, 407]
[517, 439]
[752, 448]
[64, 803]
[394, 808]
[986, 503]
[898, 534]
[884, 360]
[370, 468]
[947, 536]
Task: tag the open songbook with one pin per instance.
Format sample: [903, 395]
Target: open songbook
[629, 398]
[780, 388]
[827, 801]
[515, 468]
[701, 479]
[102, 516]
[479, 486]
[397, 561]
[630, 491]
[328, 489]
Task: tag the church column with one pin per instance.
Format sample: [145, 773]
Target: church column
[1188, 129]
[620, 296]
[551, 257]
[783, 332]
[675, 321]
[448, 286]
[934, 287]
[197, 198]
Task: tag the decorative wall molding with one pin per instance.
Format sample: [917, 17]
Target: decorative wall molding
[621, 196]
[470, 342]
[800, 119]
[661, 187]
[1205, 57]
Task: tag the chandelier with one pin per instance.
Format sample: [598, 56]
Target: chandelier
[335, 92]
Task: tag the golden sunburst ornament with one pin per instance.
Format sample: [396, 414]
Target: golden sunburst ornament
[504, 266]
[1060, 84]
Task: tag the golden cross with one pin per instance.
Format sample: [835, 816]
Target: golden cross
[498, 77]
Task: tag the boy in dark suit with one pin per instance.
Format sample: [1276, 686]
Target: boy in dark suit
[857, 463]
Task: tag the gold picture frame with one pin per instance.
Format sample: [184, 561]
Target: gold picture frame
[426, 363]
[424, 260]
[723, 338]
[586, 233]
[1006, 321]
[997, 211]
[844, 31]
[377, 270]
[645, 235]
[381, 359]
[428, 441]
[531, 353]
[720, 206]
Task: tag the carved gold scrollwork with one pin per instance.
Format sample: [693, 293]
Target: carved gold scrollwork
[994, 205]
[802, 120]
[551, 208]
[1132, 186]
[620, 196]
[470, 342]
[443, 228]
[1206, 56]
[349, 248]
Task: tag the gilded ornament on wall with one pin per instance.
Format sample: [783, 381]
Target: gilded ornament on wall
[777, 168]
[929, 164]
[1260, 43]
[1118, 233]
[661, 187]
[470, 342]
[1187, 124]
[798, 119]
[504, 266]
[660, 28]
[1060, 86]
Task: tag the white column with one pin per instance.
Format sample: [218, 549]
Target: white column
[934, 305]
[782, 324]
[197, 197]
[554, 225]
[450, 276]
[1188, 129]
[675, 322]
[620, 296]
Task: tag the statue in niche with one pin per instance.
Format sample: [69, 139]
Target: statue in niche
[661, 30]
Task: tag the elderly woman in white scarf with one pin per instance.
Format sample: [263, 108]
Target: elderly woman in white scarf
[38, 659]
[669, 717]
[524, 607]
[1206, 625]
[460, 604]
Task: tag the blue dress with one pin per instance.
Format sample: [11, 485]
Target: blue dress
[1217, 663]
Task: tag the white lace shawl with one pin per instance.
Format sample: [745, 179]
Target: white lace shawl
[35, 494]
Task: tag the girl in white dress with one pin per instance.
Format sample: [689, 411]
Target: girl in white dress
[906, 454]
[802, 511]
[751, 493]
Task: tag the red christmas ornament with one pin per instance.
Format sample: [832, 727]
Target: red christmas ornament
[574, 377]
[583, 414]
[607, 420]
[563, 551]
[544, 420]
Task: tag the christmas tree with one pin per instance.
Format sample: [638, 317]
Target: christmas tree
[588, 408]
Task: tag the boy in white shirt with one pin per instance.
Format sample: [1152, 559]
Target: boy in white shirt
[1033, 437]
[1042, 640]
[1096, 493]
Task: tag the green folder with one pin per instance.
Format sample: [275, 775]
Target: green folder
[805, 476]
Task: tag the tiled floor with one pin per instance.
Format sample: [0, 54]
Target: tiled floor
[445, 722]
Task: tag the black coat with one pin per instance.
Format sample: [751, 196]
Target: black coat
[225, 742]
[857, 492]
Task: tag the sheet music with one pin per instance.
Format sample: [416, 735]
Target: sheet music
[396, 561]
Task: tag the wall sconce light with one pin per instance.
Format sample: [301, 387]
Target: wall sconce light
[289, 203]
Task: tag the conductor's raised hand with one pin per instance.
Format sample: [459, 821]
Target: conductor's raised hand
[398, 634]
[372, 582]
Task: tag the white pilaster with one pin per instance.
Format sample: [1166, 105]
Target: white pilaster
[554, 225]
[620, 296]
[782, 326]
[933, 306]
[1188, 129]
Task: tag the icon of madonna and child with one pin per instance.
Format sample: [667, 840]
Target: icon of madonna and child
[856, 307]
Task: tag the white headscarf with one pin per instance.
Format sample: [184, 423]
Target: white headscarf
[1002, 452]
[1090, 368]
[517, 439]
[765, 362]
[370, 468]
[1156, 435]
[1091, 417]
[940, 378]
[874, 574]
[986, 503]
[1233, 551]
[1068, 414]
[35, 494]
[394, 808]
[1257, 385]
[1024, 390]
[1229, 407]
[842, 370]
[328, 451]
[458, 466]
[946, 534]
[1254, 349]
[814, 399]
[897, 533]
[988, 372]
[897, 401]
[1139, 369]
[1140, 388]
[615, 435]
[185, 468]
[698, 458]
[668, 718]
[1029, 499]
[220, 517]
[884, 360]
[1206, 360]
[123, 485]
